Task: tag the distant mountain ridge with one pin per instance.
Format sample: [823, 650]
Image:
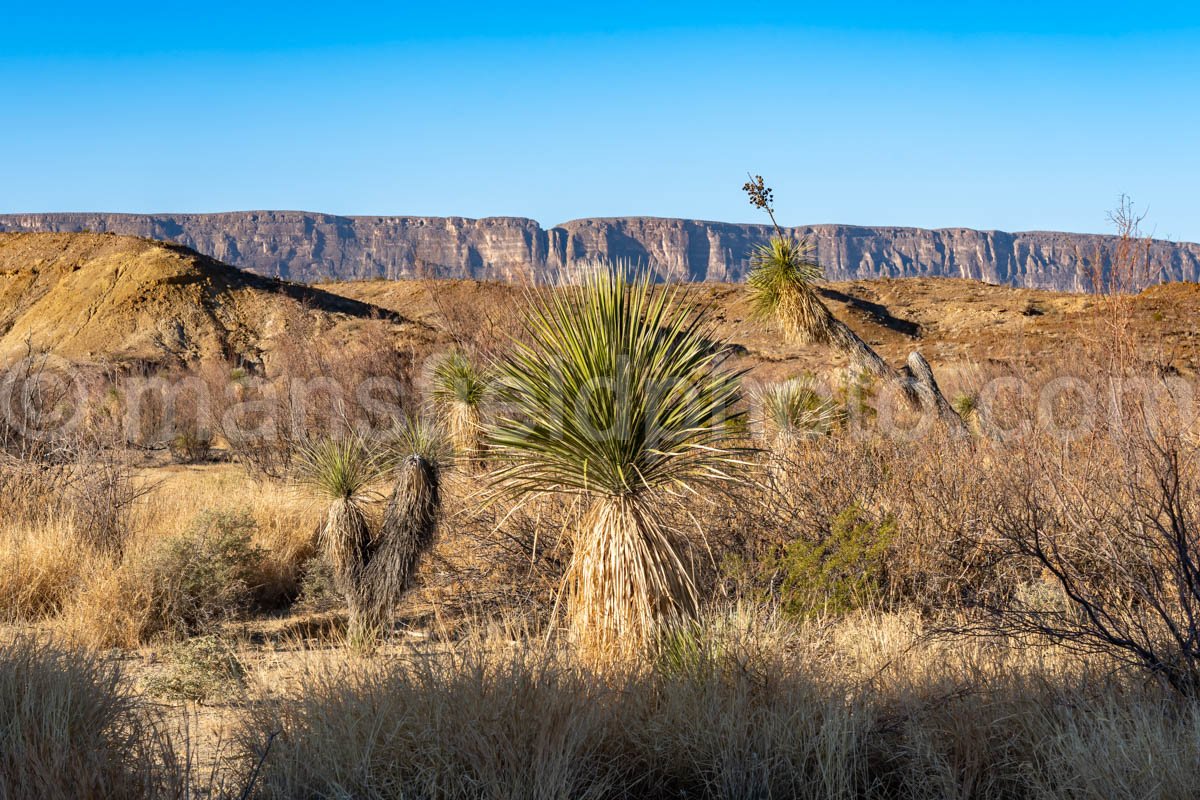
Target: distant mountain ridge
[312, 247]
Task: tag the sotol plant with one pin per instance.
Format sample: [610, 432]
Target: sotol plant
[410, 517]
[616, 394]
[795, 410]
[459, 389]
[343, 469]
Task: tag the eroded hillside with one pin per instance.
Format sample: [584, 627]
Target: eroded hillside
[105, 297]
[94, 297]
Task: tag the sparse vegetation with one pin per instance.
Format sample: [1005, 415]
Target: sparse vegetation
[901, 611]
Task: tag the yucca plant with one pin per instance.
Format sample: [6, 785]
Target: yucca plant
[794, 410]
[616, 394]
[459, 390]
[343, 469]
[782, 281]
[410, 516]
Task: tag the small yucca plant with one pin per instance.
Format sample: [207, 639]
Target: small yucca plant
[616, 394]
[421, 451]
[424, 436]
[459, 390]
[343, 469]
[965, 404]
[794, 410]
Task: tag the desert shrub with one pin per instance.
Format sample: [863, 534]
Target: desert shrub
[837, 573]
[70, 728]
[86, 486]
[191, 446]
[1113, 524]
[102, 501]
[500, 558]
[312, 387]
[318, 590]
[199, 669]
[33, 492]
[199, 578]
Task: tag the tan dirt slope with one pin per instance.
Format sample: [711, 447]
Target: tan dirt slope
[953, 322]
[118, 298]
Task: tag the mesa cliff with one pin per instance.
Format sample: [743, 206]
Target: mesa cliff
[311, 247]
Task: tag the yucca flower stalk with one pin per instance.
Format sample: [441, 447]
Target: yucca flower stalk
[343, 469]
[459, 390]
[616, 394]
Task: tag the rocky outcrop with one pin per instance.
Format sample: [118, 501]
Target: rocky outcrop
[315, 247]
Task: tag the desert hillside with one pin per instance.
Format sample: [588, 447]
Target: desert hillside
[94, 297]
[104, 297]
[952, 321]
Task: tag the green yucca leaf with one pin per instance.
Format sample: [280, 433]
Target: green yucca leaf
[796, 408]
[341, 467]
[421, 436]
[616, 389]
[457, 380]
[777, 267]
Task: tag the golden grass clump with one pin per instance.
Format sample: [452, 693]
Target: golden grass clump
[70, 727]
[41, 567]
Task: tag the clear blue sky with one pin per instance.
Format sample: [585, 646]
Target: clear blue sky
[1012, 115]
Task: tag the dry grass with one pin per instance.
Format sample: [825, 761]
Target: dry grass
[750, 707]
[41, 567]
[119, 602]
[71, 728]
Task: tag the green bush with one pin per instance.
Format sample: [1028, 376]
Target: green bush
[202, 577]
[318, 587]
[840, 572]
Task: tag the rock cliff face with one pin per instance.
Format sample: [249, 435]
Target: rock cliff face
[314, 247]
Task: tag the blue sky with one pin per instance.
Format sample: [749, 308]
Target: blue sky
[1011, 115]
